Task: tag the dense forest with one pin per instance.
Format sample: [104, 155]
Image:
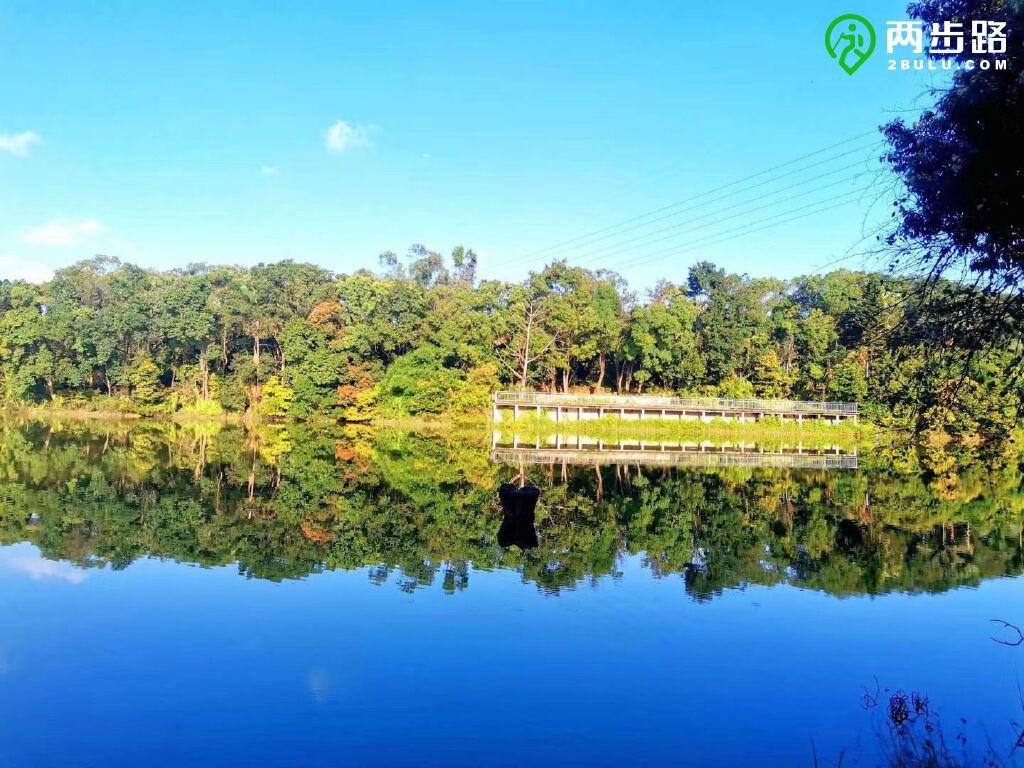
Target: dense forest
[286, 501]
[425, 336]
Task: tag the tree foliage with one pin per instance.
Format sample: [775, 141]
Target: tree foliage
[960, 206]
[427, 338]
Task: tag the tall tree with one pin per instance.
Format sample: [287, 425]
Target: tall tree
[961, 211]
[523, 334]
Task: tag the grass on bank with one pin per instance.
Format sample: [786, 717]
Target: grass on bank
[43, 413]
[612, 429]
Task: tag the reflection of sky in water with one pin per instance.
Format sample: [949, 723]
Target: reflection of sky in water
[332, 670]
[635, 624]
[26, 560]
[319, 680]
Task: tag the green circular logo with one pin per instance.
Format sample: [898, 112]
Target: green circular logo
[850, 39]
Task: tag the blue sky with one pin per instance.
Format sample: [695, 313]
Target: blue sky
[169, 133]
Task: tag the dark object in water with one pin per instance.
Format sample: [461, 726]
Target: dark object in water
[518, 501]
[517, 507]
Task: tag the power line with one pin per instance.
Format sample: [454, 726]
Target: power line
[679, 203]
[672, 229]
[735, 192]
[508, 267]
[741, 231]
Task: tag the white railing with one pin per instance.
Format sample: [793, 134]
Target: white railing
[687, 459]
[658, 401]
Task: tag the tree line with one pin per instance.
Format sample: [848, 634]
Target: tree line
[425, 336]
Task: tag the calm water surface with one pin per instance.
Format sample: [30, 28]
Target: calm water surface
[201, 596]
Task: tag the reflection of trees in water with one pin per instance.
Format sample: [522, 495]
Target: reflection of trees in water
[288, 502]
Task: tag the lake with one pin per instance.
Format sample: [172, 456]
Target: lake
[201, 595]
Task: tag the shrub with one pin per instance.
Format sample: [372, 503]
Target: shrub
[275, 399]
[418, 383]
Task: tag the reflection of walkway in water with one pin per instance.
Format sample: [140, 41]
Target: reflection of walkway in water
[576, 449]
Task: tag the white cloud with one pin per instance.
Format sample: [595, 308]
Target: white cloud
[19, 143]
[64, 232]
[14, 268]
[343, 136]
[269, 170]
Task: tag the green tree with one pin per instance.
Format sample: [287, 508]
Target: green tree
[144, 377]
[734, 308]
[848, 383]
[276, 400]
[314, 368]
[418, 383]
[660, 345]
[962, 178]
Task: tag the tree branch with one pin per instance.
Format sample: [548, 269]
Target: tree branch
[1015, 628]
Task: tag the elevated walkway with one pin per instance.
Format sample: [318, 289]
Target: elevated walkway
[560, 407]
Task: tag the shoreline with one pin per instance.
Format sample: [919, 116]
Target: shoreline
[609, 426]
[84, 414]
